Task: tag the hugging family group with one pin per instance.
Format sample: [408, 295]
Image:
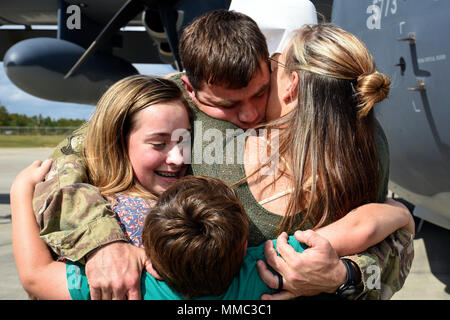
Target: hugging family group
[121, 212]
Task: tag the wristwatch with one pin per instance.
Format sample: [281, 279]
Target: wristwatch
[349, 286]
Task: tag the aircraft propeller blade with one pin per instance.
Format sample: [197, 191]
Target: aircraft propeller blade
[169, 19]
[128, 11]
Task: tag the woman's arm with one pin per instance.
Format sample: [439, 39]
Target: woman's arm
[39, 274]
[366, 226]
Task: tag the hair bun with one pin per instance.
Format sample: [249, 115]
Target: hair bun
[372, 88]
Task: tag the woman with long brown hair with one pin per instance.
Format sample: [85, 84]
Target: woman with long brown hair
[331, 156]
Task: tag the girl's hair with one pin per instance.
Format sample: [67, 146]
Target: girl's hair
[105, 146]
[329, 140]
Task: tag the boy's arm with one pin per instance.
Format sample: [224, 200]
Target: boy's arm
[367, 226]
[39, 274]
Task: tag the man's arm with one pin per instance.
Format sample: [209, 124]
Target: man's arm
[367, 231]
[383, 267]
[73, 216]
[78, 224]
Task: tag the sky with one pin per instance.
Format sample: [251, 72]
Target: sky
[17, 101]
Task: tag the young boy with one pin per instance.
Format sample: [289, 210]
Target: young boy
[195, 237]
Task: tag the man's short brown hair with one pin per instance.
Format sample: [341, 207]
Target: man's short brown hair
[222, 47]
[196, 236]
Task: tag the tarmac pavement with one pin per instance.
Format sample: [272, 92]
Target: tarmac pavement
[12, 161]
[429, 278]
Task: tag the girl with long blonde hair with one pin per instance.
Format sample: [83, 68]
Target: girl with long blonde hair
[109, 149]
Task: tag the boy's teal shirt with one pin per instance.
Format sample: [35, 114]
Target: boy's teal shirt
[246, 286]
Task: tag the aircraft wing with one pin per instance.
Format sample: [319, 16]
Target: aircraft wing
[136, 46]
[71, 51]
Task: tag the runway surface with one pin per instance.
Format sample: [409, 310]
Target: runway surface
[429, 277]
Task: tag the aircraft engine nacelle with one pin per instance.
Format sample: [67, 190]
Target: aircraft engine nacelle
[155, 28]
[38, 66]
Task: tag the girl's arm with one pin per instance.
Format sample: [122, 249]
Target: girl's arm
[39, 274]
[366, 226]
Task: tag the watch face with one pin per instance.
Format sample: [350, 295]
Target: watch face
[348, 291]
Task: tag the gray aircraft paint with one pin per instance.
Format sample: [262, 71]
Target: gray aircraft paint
[416, 115]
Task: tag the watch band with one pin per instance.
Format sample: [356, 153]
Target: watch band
[349, 286]
[355, 267]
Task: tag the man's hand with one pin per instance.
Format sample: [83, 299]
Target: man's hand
[114, 272]
[317, 269]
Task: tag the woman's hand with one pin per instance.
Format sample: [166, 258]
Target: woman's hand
[114, 272]
[317, 269]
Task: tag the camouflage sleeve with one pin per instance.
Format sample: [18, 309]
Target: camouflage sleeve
[72, 144]
[384, 267]
[73, 216]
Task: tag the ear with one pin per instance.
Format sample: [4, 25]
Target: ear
[189, 88]
[291, 92]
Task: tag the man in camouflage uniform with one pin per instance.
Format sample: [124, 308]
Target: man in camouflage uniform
[78, 224]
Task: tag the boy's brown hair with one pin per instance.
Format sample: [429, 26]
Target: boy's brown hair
[196, 236]
[222, 47]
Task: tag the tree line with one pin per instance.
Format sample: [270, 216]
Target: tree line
[20, 120]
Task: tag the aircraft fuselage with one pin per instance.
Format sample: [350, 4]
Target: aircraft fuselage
[407, 40]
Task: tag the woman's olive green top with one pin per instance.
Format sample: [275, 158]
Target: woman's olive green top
[263, 223]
